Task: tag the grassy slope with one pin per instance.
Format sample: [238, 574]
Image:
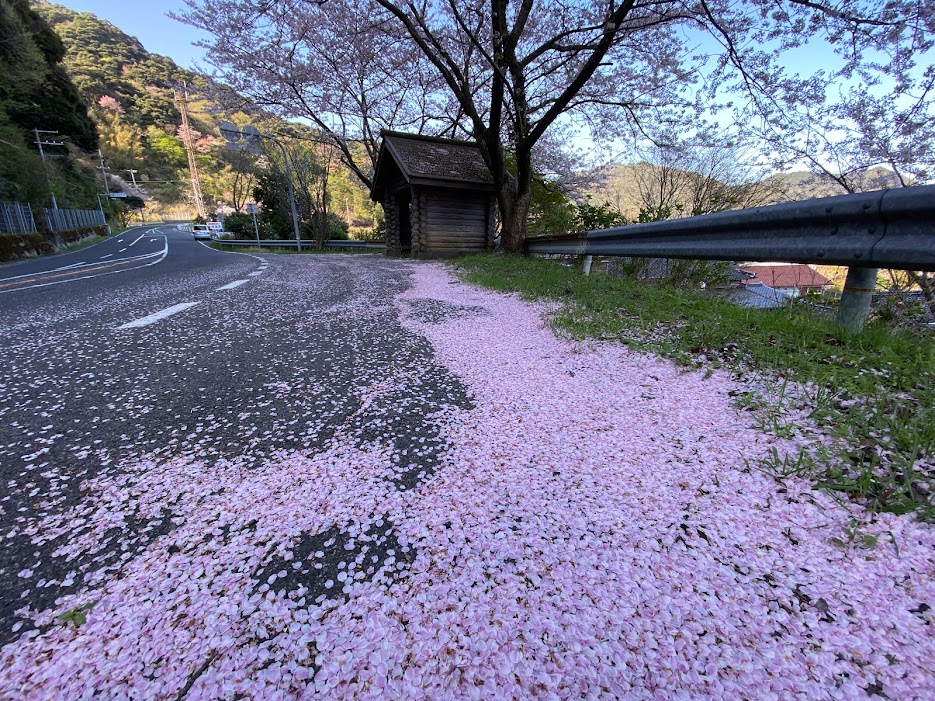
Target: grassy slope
[873, 394]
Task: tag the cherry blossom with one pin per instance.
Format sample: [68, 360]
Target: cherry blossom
[611, 542]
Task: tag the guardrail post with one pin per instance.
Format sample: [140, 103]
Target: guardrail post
[855, 300]
[586, 264]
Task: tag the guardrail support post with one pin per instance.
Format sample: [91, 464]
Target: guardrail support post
[586, 264]
[855, 300]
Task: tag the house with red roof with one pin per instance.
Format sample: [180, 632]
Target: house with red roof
[791, 279]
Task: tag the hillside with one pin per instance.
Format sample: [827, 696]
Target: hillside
[802, 185]
[622, 185]
[131, 94]
[36, 93]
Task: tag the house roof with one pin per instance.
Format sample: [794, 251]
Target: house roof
[756, 295]
[737, 275]
[785, 276]
[430, 160]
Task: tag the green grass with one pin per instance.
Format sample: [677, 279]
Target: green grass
[873, 392]
[83, 243]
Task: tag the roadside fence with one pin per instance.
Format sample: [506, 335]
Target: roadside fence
[58, 220]
[16, 218]
[864, 231]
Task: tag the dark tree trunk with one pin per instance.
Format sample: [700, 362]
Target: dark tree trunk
[514, 210]
[926, 282]
[321, 229]
[514, 194]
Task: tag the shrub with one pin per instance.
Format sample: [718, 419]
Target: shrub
[602, 216]
[240, 224]
[375, 233]
[337, 228]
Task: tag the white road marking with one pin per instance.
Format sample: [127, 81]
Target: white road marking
[153, 318]
[162, 256]
[139, 237]
[255, 273]
[121, 250]
[235, 253]
[107, 256]
[43, 272]
[119, 240]
[232, 285]
[64, 267]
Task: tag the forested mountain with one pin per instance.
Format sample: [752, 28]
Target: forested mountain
[37, 93]
[802, 185]
[634, 187]
[132, 95]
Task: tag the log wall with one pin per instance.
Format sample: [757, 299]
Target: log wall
[391, 212]
[451, 222]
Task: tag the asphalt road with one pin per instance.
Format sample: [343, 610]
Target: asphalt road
[134, 249]
[213, 471]
[153, 346]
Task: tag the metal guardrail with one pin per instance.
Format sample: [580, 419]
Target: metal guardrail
[881, 229]
[290, 243]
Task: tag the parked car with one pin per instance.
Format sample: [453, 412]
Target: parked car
[201, 231]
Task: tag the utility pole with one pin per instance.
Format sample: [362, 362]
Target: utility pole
[133, 172]
[40, 142]
[105, 188]
[181, 100]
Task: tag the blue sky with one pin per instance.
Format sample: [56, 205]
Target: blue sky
[147, 21]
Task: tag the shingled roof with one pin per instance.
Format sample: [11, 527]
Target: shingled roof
[796, 275]
[431, 160]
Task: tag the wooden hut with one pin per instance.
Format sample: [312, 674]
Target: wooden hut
[437, 194]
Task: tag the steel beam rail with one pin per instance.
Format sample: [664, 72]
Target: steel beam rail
[331, 243]
[882, 229]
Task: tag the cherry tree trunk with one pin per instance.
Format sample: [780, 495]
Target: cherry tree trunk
[926, 282]
[514, 212]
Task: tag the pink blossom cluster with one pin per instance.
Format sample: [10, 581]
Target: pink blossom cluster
[593, 531]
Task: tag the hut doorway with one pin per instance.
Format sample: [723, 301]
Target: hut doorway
[403, 200]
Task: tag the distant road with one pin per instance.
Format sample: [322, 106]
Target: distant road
[135, 248]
